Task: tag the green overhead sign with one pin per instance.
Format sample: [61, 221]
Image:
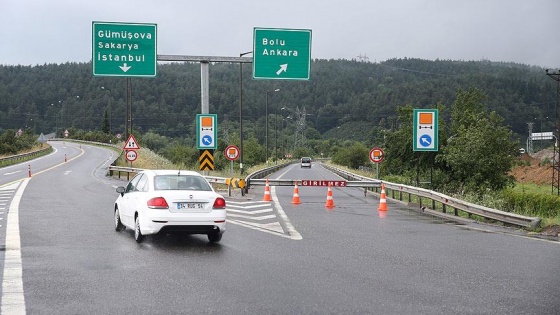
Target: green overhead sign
[124, 49]
[281, 54]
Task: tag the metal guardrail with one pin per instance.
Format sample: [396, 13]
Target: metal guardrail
[354, 180]
[123, 169]
[24, 156]
[291, 182]
[87, 142]
[255, 176]
[131, 170]
[446, 201]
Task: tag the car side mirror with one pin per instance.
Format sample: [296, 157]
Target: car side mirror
[121, 190]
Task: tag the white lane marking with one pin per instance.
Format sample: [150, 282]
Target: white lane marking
[12, 173]
[13, 299]
[264, 217]
[243, 204]
[291, 229]
[271, 228]
[228, 209]
[27, 162]
[10, 186]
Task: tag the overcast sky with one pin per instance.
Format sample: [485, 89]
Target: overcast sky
[522, 31]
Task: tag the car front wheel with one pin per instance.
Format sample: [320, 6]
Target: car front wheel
[137, 233]
[118, 223]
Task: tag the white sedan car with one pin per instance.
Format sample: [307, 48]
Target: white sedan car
[166, 201]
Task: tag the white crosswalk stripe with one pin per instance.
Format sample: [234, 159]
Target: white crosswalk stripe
[257, 215]
[6, 194]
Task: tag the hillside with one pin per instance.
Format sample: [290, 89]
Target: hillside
[341, 95]
[538, 172]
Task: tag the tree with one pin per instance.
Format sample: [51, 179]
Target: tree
[254, 152]
[105, 127]
[401, 159]
[480, 152]
[354, 156]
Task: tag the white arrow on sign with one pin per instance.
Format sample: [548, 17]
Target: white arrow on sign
[125, 67]
[283, 68]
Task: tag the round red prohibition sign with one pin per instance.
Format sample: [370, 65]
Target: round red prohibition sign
[376, 155]
[232, 153]
[131, 155]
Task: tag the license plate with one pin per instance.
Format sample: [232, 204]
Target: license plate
[190, 205]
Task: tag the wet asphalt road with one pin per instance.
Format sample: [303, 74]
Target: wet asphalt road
[345, 261]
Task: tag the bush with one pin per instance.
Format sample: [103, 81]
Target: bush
[354, 156]
[12, 143]
[530, 204]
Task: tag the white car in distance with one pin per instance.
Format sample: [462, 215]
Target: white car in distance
[168, 201]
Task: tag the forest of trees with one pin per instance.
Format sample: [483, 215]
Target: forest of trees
[345, 104]
[343, 99]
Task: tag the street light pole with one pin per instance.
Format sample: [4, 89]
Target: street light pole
[275, 135]
[59, 117]
[266, 122]
[266, 130]
[110, 114]
[282, 131]
[241, 112]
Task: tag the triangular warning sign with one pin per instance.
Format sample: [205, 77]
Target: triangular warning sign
[131, 144]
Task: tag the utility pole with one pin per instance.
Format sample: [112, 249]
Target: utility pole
[300, 128]
[530, 139]
[555, 75]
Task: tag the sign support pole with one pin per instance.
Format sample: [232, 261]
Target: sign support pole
[204, 96]
[204, 87]
[128, 126]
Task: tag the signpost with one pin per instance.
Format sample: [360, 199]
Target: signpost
[323, 183]
[425, 130]
[124, 49]
[542, 135]
[232, 153]
[376, 155]
[206, 131]
[131, 156]
[130, 146]
[281, 53]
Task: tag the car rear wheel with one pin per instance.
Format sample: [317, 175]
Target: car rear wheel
[215, 237]
[137, 233]
[118, 223]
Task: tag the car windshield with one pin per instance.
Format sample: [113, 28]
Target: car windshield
[181, 182]
[306, 160]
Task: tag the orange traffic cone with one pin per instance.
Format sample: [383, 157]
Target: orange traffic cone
[330, 202]
[295, 199]
[267, 192]
[382, 199]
